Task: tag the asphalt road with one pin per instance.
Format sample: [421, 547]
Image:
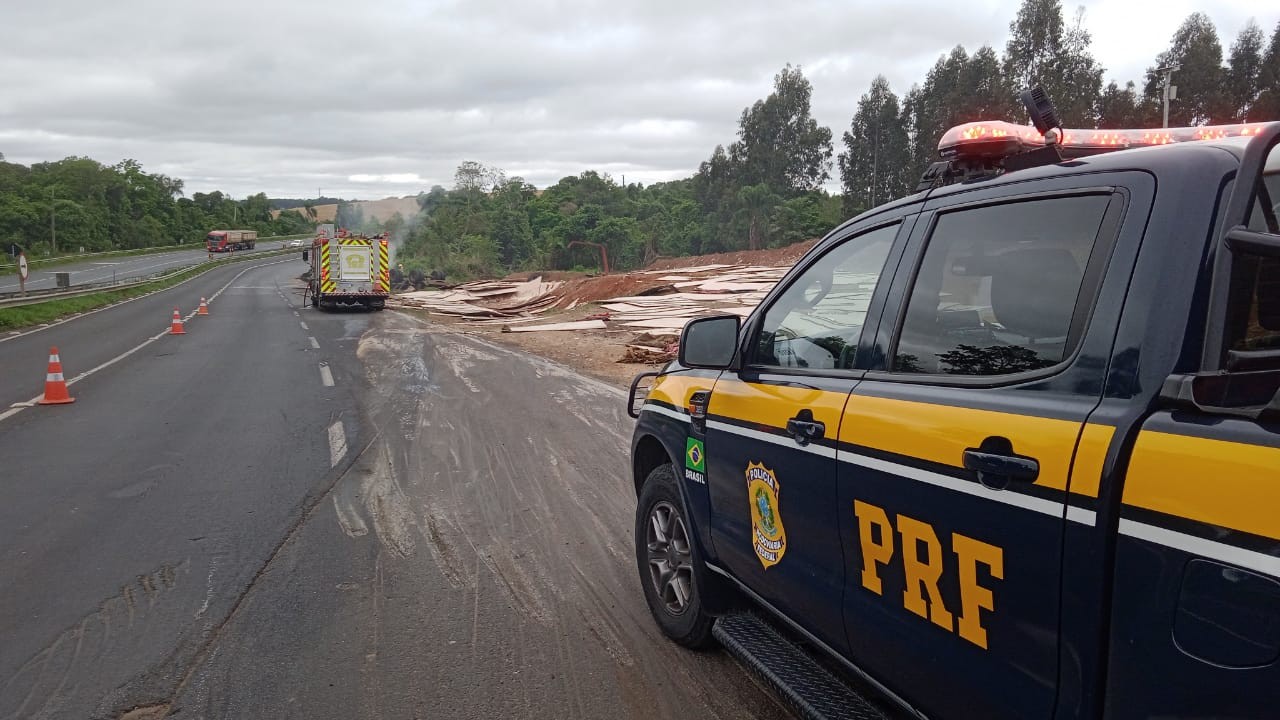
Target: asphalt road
[117, 269]
[288, 513]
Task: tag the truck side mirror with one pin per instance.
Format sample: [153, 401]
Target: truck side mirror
[709, 342]
[306, 256]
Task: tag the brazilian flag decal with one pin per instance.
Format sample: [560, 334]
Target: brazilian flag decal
[695, 458]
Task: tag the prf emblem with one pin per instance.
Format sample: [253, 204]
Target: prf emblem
[768, 536]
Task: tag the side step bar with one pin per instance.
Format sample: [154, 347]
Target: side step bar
[807, 687]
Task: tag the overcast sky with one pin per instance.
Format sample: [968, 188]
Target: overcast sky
[383, 97]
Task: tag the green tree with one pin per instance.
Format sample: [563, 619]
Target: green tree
[1243, 72]
[757, 203]
[779, 143]
[1267, 106]
[1199, 79]
[958, 89]
[1042, 50]
[1120, 108]
[875, 163]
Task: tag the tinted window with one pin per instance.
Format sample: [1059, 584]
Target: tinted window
[997, 290]
[1263, 330]
[817, 321]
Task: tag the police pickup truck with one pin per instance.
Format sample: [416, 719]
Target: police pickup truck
[1006, 448]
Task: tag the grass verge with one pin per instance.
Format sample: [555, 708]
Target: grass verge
[24, 316]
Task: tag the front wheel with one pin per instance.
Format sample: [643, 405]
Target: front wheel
[671, 570]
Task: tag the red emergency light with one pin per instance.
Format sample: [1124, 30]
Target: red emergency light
[998, 138]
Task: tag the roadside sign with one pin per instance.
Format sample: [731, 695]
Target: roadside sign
[22, 273]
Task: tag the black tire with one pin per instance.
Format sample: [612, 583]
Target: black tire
[690, 623]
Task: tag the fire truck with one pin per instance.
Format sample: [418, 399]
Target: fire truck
[349, 269]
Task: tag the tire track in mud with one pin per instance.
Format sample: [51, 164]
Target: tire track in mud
[40, 685]
[513, 469]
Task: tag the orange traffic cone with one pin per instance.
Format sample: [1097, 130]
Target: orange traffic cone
[176, 327]
[55, 387]
[204, 308]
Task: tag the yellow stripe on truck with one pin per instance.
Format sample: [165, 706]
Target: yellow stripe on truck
[1218, 482]
[676, 389]
[384, 267]
[941, 433]
[1091, 455]
[773, 405]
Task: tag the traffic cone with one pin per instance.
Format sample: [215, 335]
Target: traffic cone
[55, 387]
[204, 308]
[176, 327]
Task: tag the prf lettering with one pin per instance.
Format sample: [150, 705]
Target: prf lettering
[922, 571]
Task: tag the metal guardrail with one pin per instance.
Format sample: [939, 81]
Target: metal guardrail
[17, 299]
[134, 252]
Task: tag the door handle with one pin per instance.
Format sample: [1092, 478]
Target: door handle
[997, 464]
[804, 429]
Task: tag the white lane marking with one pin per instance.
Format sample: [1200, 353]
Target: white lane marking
[349, 518]
[337, 443]
[1260, 562]
[295, 314]
[314, 345]
[123, 355]
[87, 313]
[326, 376]
[682, 417]
[304, 325]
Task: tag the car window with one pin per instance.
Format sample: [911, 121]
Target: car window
[998, 287]
[816, 322]
[1263, 329]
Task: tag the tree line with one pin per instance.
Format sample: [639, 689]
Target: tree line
[892, 139]
[63, 206]
[766, 188]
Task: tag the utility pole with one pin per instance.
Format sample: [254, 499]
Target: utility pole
[1170, 90]
[53, 223]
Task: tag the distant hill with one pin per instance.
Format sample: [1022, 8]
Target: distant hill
[290, 203]
[383, 209]
[324, 213]
[378, 210]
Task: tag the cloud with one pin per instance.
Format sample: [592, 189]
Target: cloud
[386, 97]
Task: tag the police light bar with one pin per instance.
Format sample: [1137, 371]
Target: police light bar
[1000, 139]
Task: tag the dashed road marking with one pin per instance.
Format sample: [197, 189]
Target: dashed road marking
[337, 443]
[19, 407]
[326, 376]
[304, 325]
[314, 345]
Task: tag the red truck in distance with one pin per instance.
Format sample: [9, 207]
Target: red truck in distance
[228, 240]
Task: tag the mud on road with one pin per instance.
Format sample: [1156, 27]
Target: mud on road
[475, 560]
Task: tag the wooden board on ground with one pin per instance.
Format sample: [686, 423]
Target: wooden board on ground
[575, 325]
